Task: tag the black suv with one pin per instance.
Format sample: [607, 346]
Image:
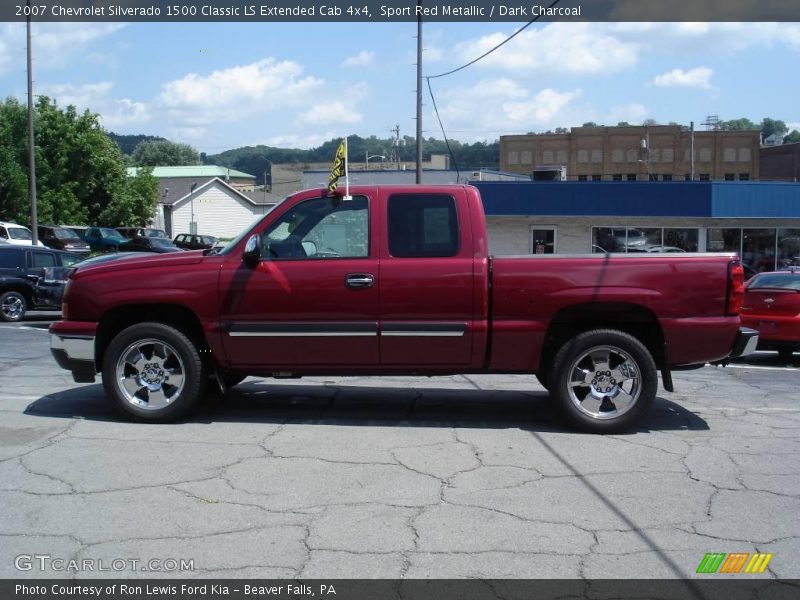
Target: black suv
[31, 278]
[190, 241]
[62, 238]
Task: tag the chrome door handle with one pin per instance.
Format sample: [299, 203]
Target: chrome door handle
[359, 280]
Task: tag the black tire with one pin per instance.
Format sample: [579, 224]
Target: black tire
[607, 403]
[13, 306]
[165, 353]
[785, 355]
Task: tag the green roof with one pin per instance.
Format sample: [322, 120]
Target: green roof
[194, 171]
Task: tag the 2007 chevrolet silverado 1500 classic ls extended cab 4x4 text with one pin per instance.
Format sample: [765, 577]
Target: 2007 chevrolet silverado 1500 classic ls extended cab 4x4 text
[397, 280]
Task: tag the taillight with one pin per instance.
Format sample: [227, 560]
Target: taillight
[735, 289]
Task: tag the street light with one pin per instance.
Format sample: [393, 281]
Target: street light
[192, 224]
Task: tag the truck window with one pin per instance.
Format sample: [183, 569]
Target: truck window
[422, 225]
[321, 228]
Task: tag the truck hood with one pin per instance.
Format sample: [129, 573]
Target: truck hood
[137, 261]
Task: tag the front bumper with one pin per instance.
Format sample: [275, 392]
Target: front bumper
[74, 353]
[746, 342]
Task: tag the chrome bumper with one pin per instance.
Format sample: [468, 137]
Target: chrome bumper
[74, 353]
[745, 343]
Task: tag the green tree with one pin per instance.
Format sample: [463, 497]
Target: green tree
[14, 205]
[590, 124]
[135, 203]
[792, 138]
[738, 124]
[772, 126]
[80, 171]
[163, 153]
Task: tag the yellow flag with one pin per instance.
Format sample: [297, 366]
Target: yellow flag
[338, 168]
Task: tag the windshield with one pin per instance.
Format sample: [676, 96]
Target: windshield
[19, 233]
[161, 243]
[155, 233]
[111, 233]
[785, 281]
[62, 233]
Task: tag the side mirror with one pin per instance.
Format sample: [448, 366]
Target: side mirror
[252, 250]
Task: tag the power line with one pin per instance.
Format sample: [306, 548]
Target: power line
[446, 141]
[488, 52]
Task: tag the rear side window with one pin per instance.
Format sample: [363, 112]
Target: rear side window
[422, 225]
[10, 259]
[43, 259]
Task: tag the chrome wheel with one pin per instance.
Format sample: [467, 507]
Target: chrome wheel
[12, 306]
[604, 382]
[150, 374]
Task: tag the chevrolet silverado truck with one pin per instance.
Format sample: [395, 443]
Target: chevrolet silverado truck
[397, 280]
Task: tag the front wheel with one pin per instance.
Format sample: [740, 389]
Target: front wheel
[153, 372]
[12, 306]
[604, 381]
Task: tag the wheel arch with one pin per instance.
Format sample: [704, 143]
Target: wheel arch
[178, 316]
[631, 318]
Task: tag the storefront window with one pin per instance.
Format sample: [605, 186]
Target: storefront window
[788, 248]
[644, 239]
[758, 249]
[684, 238]
[724, 240]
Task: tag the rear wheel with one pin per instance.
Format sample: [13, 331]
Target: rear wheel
[604, 381]
[153, 372]
[12, 306]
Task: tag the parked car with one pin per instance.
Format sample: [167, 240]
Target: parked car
[149, 244]
[772, 307]
[312, 288]
[17, 234]
[189, 241]
[31, 278]
[62, 238]
[80, 230]
[104, 239]
[149, 232]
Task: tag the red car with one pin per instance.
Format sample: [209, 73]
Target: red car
[772, 306]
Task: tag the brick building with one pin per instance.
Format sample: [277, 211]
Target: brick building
[636, 153]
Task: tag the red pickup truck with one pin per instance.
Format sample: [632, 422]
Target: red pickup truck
[397, 280]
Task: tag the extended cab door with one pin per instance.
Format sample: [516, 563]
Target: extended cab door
[426, 279]
[312, 301]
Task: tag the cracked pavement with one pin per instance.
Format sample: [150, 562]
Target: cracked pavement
[457, 477]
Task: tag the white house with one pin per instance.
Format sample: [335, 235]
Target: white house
[222, 201]
[218, 209]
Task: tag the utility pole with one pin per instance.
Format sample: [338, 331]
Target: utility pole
[419, 93]
[691, 151]
[396, 146]
[31, 145]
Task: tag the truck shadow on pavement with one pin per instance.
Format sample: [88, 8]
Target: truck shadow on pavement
[256, 401]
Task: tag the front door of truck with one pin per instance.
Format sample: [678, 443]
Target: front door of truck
[426, 276]
[312, 301]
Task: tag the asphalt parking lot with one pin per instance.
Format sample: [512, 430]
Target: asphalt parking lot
[464, 477]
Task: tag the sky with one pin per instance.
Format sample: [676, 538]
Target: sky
[219, 86]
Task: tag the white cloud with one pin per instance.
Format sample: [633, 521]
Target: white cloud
[54, 44]
[294, 140]
[698, 77]
[495, 106]
[541, 108]
[97, 97]
[563, 47]
[632, 113]
[365, 58]
[330, 112]
[234, 93]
